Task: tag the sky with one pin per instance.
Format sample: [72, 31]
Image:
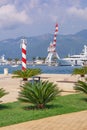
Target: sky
[37, 17]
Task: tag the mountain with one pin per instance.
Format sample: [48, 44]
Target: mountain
[37, 45]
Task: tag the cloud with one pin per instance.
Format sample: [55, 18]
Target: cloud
[4, 2]
[34, 3]
[75, 3]
[38, 16]
[10, 16]
[78, 12]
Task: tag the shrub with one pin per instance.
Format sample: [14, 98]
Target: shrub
[26, 73]
[81, 86]
[80, 71]
[39, 93]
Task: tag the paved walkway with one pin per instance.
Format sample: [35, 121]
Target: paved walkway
[73, 121]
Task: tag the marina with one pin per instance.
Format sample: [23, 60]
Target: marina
[52, 59]
[43, 65]
[52, 64]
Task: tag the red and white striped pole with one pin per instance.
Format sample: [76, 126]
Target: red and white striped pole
[55, 34]
[24, 54]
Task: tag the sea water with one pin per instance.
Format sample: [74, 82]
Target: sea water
[44, 68]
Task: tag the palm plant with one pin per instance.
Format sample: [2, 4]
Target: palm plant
[80, 71]
[2, 92]
[26, 73]
[81, 86]
[39, 93]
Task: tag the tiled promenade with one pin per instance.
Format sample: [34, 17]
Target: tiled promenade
[73, 121]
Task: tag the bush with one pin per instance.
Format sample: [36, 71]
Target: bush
[80, 71]
[26, 73]
[81, 86]
[39, 93]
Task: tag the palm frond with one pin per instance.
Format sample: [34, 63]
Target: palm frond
[81, 86]
[2, 92]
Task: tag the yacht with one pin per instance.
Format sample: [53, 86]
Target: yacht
[38, 62]
[75, 60]
[3, 61]
[15, 65]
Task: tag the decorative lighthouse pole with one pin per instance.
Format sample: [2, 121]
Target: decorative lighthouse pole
[24, 54]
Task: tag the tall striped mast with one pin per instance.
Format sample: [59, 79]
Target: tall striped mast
[55, 34]
[52, 54]
[24, 54]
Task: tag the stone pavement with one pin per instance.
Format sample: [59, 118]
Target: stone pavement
[72, 121]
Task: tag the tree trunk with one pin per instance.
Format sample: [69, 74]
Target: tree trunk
[41, 106]
[82, 75]
[25, 79]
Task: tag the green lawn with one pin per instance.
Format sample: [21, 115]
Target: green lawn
[16, 112]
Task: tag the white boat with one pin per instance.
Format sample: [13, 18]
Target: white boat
[38, 62]
[3, 61]
[14, 65]
[73, 60]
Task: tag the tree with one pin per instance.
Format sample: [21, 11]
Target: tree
[26, 73]
[39, 93]
[16, 60]
[9, 59]
[33, 58]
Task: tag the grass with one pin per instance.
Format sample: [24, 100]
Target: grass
[16, 112]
